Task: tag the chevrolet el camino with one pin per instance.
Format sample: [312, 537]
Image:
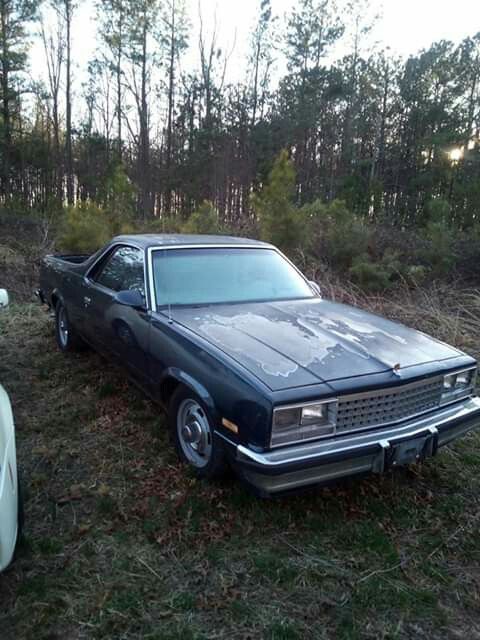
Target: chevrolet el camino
[255, 369]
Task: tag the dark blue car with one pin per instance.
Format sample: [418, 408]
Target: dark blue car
[255, 369]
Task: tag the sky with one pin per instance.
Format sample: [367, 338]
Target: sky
[406, 26]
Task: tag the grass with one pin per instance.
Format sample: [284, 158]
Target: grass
[122, 542]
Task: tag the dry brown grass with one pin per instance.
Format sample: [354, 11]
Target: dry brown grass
[121, 542]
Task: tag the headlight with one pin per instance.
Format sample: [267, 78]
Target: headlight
[449, 382]
[303, 422]
[464, 379]
[458, 385]
[315, 414]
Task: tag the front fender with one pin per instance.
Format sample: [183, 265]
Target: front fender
[190, 382]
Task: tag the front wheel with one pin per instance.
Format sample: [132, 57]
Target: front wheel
[192, 433]
[66, 336]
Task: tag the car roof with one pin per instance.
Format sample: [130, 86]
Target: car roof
[170, 239]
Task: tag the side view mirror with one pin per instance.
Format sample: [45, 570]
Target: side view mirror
[131, 298]
[3, 298]
[315, 287]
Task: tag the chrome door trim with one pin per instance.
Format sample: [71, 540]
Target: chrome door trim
[110, 249]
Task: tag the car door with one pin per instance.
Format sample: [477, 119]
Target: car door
[115, 329]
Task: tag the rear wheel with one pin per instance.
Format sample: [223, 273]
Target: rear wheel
[192, 432]
[66, 336]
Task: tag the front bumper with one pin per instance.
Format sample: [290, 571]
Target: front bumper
[376, 451]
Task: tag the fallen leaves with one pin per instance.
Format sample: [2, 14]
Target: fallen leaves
[76, 492]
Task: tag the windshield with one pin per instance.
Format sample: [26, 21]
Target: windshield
[214, 275]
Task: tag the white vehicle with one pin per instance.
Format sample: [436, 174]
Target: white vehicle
[11, 511]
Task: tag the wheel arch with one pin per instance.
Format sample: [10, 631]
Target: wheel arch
[173, 378]
[56, 297]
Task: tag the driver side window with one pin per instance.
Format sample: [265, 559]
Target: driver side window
[123, 270]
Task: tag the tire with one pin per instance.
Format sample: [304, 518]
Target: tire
[67, 338]
[192, 432]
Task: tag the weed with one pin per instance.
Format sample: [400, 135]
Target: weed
[122, 542]
[49, 546]
[282, 630]
[183, 601]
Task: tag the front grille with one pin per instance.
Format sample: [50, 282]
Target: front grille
[386, 406]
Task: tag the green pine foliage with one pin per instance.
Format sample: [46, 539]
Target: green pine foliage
[161, 225]
[119, 196]
[337, 235]
[281, 222]
[370, 276]
[203, 221]
[85, 229]
[330, 233]
[439, 255]
[88, 225]
[437, 211]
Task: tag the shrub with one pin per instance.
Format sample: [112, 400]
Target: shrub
[281, 222]
[370, 276]
[438, 211]
[376, 275]
[415, 274]
[203, 221]
[119, 199]
[467, 251]
[337, 235]
[160, 225]
[86, 228]
[438, 254]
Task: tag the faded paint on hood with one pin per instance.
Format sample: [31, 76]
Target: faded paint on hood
[294, 343]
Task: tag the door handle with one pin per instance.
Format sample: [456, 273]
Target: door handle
[87, 301]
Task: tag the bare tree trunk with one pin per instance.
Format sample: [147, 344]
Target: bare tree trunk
[5, 89]
[347, 141]
[471, 105]
[171, 81]
[255, 82]
[68, 99]
[119, 99]
[54, 54]
[144, 156]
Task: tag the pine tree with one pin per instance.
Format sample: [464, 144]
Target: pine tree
[280, 221]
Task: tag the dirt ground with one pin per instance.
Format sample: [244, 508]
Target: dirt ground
[122, 542]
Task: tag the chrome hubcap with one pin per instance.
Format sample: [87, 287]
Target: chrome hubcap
[194, 433]
[63, 326]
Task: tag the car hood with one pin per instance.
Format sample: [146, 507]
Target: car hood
[295, 343]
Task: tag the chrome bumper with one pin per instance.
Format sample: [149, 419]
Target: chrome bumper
[375, 451]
